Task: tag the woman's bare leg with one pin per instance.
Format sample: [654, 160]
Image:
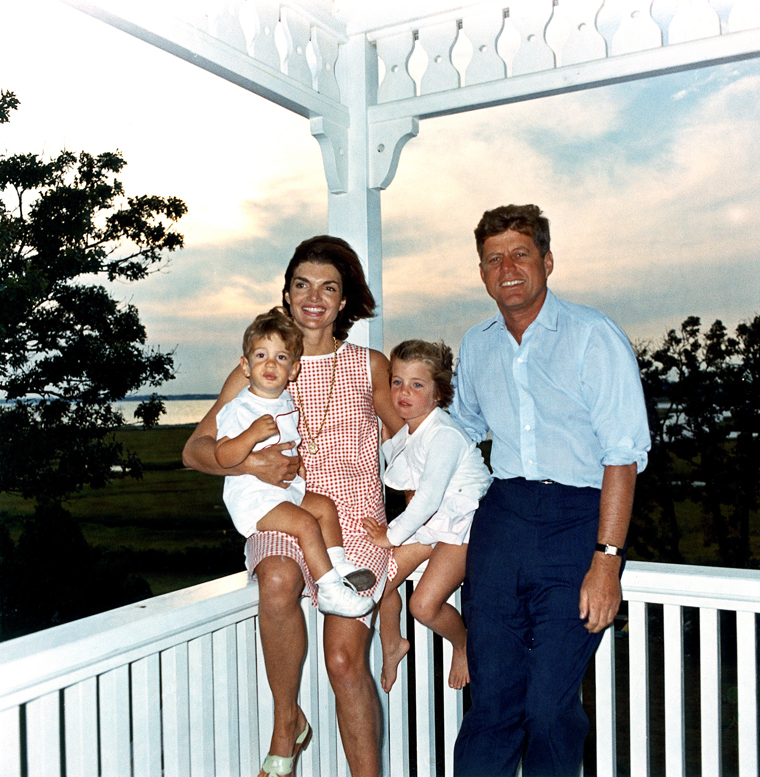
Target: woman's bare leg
[444, 572]
[283, 638]
[356, 702]
[395, 647]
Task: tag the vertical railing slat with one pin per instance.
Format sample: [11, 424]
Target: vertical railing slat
[115, 733]
[309, 762]
[398, 707]
[746, 664]
[175, 711]
[638, 659]
[604, 670]
[225, 687]
[146, 716]
[453, 703]
[80, 711]
[10, 742]
[425, 700]
[201, 688]
[709, 684]
[248, 713]
[675, 754]
[43, 736]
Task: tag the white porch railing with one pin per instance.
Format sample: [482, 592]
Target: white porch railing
[175, 686]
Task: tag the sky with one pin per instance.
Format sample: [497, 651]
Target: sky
[652, 189]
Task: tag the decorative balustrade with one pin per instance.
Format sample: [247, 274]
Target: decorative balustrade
[175, 685]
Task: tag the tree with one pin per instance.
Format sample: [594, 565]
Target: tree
[68, 351]
[705, 435]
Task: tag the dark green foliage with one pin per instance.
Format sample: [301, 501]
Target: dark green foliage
[703, 391]
[68, 349]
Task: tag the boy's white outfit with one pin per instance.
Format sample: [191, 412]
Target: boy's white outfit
[442, 465]
[247, 498]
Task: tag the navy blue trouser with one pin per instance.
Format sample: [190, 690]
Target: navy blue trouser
[531, 545]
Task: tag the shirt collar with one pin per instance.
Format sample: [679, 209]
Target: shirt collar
[547, 316]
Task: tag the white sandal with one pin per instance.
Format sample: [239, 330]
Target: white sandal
[282, 765]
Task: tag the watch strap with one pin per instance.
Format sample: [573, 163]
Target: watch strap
[609, 550]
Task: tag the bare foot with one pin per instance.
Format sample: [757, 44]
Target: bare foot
[391, 660]
[459, 675]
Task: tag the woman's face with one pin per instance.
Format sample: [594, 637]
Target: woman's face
[315, 295]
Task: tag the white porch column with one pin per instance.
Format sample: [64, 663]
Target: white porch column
[355, 214]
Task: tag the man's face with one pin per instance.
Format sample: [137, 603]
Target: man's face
[515, 274]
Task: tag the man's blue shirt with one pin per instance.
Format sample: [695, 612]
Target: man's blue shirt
[561, 405]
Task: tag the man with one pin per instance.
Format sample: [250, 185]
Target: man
[557, 386]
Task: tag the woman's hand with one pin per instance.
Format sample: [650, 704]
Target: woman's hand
[272, 466]
[377, 534]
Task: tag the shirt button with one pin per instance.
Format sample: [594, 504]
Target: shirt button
[527, 428]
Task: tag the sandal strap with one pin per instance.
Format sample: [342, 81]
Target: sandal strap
[278, 765]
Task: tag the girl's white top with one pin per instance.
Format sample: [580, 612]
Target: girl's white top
[445, 469]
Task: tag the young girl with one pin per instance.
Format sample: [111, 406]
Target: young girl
[432, 456]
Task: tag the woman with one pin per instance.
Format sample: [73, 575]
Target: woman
[341, 391]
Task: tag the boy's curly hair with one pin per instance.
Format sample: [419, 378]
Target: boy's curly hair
[275, 322]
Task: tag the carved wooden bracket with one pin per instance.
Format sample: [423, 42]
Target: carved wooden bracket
[386, 139]
[333, 140]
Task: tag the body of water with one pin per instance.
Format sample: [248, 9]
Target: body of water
[179, 410]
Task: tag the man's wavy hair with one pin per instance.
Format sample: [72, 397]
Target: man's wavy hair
[437, 356]
[325, 249]
[274, 322]
[525, 219]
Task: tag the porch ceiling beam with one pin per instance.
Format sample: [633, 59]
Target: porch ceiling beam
[146, 22]
[617, 69]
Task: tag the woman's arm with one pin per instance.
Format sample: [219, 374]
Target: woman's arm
[381, 392]
[269, 465]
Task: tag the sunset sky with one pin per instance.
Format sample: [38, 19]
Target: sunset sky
[652, 189]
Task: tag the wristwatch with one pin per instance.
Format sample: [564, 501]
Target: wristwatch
[609, 550]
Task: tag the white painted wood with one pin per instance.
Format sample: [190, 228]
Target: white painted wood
[745, 15]
[297, 32]
[453, 701]
[746, 664]
[675, 756]
[577, 38]
[483, 31]
[175, 711]
[425, 700]
[80, 710]
[638, 678]
[10, 743]
[146, 716]
[43, 736]
[693, 19]
[309, 762]
[395, 52]
[225, 704]
[223, 23]
[333, 142]
[201, 688]
[387, 139]
[398, 707]
[114, 719]
[638, 31]
[438, 42]
[530, 18]
[248, 710]
[709, 687]
[258, 21]
[326, 54]
[604, 670]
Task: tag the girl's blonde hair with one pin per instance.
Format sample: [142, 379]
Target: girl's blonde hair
[438, 357]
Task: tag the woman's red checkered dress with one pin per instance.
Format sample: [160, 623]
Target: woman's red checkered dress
[345, 467]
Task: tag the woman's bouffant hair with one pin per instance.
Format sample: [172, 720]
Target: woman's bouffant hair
[325, 249]
[274, 322]
[438, 357]
[525, 219]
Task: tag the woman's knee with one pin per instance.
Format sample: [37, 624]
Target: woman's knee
[280, 582]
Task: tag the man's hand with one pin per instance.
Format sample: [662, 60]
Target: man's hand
[378, 535]
[272, 466]
[600, 592]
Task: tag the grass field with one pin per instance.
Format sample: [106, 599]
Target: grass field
[171, 527]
